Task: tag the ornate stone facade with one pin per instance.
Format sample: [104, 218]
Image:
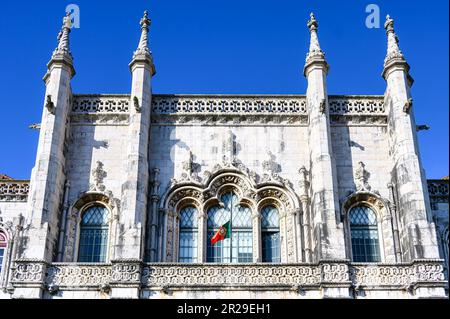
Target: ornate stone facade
[315, 159]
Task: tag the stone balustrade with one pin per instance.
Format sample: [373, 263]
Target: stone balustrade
[101, 104]
[356, 105]
[438, 190]
[229, 104]
[14, 191]
[228, 109]
[164, 275]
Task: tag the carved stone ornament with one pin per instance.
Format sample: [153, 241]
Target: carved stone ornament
[49, 105]
[136, 104]
[322, 106]
[98, 174]
[271, 170]
[190, 170]
[361, 178]
[408, 105]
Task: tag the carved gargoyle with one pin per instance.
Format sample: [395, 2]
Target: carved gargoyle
[35, 126]
[50, 105]
[408, 106]
[322, 106]
[136, 104]
[422, 127]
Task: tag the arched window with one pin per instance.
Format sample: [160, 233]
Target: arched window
[270, 234]
[94, 235]
[3, 244]
[188, 235]
[239, 247]
[364, 234]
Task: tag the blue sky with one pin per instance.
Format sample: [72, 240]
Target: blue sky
[219, 46]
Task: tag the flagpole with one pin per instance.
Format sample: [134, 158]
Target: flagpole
[231, 239]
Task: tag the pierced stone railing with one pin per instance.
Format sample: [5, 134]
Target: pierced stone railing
[78, 275]
[163, 275]
[14, 191]
[438, 190]
[229, 104]
[356, 105]
[245, 275]
[100, 104]
[165, 104]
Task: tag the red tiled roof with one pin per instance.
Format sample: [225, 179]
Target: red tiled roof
[3, 176]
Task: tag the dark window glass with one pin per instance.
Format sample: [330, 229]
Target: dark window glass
[94, 235]
[364, 234]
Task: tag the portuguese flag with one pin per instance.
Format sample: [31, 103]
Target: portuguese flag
[223, 232]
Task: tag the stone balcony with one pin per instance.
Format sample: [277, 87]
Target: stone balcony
[302, 279]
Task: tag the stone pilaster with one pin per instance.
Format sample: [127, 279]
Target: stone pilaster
[135, 188]
[257, 244]
[306, 216]
[152, 227]
[418, 238]
[328, 234]
[202, 232]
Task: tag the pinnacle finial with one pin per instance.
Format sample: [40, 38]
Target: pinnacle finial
[389, 24]
[314, 47]
[63, 36]
[312, 23]
[145, 21]
[143, 43]
[393, 50]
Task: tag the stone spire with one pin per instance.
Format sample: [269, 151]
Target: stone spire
[394, 55]
[63, 37]
[393, 50]
[143, 52]
[143, 42]
[315, 53]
